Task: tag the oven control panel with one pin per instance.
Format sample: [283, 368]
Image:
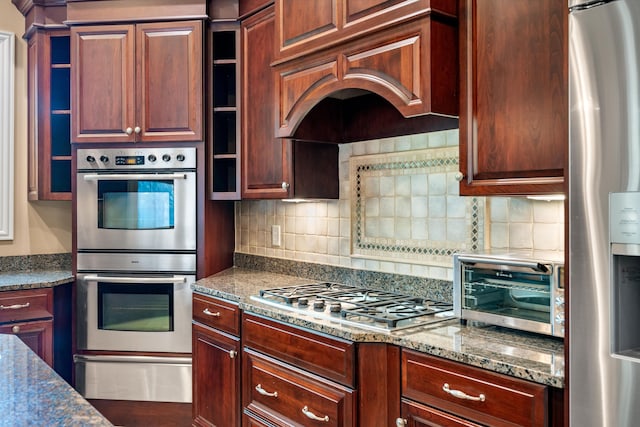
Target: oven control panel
[136, 158]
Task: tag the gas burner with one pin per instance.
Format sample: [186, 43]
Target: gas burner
[362, 307]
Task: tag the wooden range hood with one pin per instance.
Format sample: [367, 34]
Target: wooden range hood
[356, 83]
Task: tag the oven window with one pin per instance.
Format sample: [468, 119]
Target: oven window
[130, 307]
[136, 204]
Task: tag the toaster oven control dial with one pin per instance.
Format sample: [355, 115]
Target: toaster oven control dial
[104, 159]
[91, 159]
[152, 158]
[166, 157]
[180, 157]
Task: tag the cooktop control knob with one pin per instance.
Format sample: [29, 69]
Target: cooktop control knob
[91, 159]
[335, 307]
[104, 159]
[166, 157]
[303, 302]
[180, 157]
[318, 304]
[152, 158]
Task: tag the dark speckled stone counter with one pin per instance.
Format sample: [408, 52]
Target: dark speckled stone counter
[522, 355]
[32, 394]
[19, 280]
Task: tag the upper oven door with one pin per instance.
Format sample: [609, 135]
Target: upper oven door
[136, 211]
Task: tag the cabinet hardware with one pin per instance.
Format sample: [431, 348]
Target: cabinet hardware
[15, 329]
[285, 185]
[462, 395]
[264, 392]
[232, 354]
[210, 313]
[459, 176]
[137, 129]
[129, 131]
[14, 306]
[401, 422]
[313, 416]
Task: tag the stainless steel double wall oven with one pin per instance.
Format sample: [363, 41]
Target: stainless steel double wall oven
[136, 260]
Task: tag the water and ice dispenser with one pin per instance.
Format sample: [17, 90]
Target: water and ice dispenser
[624, 231]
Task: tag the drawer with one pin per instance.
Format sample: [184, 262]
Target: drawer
[320, 354]
[288, 396]
[32, 304]
[216, 313]
[473, 393]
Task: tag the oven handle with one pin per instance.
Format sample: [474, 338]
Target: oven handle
[536, 266]
[176, 279]
[121, 176]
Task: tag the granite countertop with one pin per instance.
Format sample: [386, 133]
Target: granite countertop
[32, 394]
[528, 356]
[34, 279]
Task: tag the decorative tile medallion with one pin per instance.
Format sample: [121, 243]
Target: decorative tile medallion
[406, 207]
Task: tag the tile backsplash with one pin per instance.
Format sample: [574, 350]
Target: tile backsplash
[399, 212]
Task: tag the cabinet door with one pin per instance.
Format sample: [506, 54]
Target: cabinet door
[216, 378]
[102, 81]
[37, 335]
[416, 415]
[513, 114]
[266, 160]
[169, 81]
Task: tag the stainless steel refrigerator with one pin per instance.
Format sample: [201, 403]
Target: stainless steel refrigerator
[604, 213]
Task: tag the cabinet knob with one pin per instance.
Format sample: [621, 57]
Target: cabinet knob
[15, 329]
[129, 131]
[459, 176]
[401, 422]
[137, 129]
[232, 354]
[285, 185]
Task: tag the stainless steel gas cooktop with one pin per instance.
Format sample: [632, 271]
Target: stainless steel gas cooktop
[360, 307]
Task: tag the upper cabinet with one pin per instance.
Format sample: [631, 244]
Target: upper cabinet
[514, 97]
[273, 167]
[49, 115]
[137, 83]
[335, 54]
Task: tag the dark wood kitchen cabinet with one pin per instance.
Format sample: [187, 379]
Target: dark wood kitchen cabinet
[514, 97]
[137, 83]
[445, 393]
[29, 315]
[216, 362]
[49, 115]
[273, 167]
[292, 376]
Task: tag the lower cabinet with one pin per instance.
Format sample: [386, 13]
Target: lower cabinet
[29, 315]
[293, 377]
[216, 365]
[438, 392]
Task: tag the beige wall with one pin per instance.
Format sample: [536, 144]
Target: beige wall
[39, 227]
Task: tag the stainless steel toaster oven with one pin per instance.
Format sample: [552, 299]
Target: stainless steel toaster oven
[511, 290]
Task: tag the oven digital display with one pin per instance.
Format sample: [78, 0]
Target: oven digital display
[129, 160]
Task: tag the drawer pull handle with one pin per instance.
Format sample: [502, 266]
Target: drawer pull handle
[210, 313]
[15, 306]
[264, 392]
[462, 395]
[313, 416]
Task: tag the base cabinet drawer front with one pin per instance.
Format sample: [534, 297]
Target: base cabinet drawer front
[17, 306]
[288, 396]
[251, 420]
[474, 394]
[328, 357]
[416, 415]
[216, 313]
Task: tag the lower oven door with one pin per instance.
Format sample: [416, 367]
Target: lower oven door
[134, 312]
[156, 379]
